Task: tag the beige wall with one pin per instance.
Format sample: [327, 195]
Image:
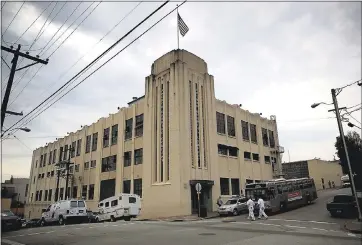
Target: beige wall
[5, 203]
[172, 137]
[328, 170]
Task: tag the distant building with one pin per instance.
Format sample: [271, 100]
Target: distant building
[176, 135]
[324, 173]
[16, 189]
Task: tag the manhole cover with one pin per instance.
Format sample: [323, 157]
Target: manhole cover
[207, 234]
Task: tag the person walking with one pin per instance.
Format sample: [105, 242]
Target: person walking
[219, 201]
[261, 208]
[250, 204]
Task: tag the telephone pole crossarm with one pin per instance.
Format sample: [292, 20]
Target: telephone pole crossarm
[36, 59]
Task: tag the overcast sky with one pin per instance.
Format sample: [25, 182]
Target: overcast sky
[273, 58]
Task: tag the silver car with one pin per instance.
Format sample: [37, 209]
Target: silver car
[233, 206]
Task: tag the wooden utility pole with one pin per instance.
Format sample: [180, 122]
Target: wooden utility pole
[14, 62]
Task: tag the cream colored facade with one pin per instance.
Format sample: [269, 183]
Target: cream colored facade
[183, 143]
[324, 173]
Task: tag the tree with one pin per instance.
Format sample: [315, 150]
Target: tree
[354, 147]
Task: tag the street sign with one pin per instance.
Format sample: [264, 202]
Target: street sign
[198, 187]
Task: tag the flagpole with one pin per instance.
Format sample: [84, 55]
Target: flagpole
[178, 31]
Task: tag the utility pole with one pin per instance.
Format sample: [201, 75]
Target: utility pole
[71, 149]
[360, 84]
[57, 189]
[14, 62]
[340, 127]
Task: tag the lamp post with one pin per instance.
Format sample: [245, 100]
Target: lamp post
[340, 127]
[25, 129]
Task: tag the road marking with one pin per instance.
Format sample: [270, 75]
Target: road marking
[293, 226]
[269, 224]
[31, 234]
[319, 229]
[114, 225]
[11, 242]
[308, 221]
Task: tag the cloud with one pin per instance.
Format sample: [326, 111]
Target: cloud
[274, 58]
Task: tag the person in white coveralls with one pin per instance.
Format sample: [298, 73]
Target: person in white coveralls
[250, 204]
[261, 208]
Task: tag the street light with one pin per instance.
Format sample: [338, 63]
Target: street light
[25, 129]
[320, 103]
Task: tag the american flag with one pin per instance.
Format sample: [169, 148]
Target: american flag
[182, 26]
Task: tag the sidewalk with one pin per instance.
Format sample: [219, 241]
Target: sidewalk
[210, 215]
[353, 226]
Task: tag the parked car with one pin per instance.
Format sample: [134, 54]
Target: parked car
[9, 221]
[233, 206]
[93, 217]
[65, 211]
[343, 206]
[32, 223]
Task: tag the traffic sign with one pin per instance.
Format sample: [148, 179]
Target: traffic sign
[198, 187]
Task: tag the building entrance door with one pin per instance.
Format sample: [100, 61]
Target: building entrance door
[205, 195]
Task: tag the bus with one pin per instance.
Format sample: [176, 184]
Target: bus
[282, 194]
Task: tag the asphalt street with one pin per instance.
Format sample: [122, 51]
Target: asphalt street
[295, 227]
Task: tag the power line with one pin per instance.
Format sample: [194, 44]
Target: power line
[339, 90]
[13, 19]
[5, 62]
[96, 59]
[29, 120]
[52, 54]
[74, 64]
[22, 143]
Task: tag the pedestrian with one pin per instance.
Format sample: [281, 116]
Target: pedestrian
[219, 201]
[262, 208]
[250, 204]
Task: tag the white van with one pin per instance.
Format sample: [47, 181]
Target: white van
[122, 206]
[65, 211]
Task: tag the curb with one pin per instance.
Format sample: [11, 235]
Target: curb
[354, 231]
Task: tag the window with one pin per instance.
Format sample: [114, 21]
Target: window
[91, 192]
[94, 141]
[40, 195]
[54, 155]
[50, 158]
[76, 168]
[114, 134]
[128, 129]
[264, 133]
[34, 180]
[256, 157]
[48, 174]
[93, 164]
[132, 199]
[245, 130]
[71, 169]
[72, 150]
[42, 175]
[114, 203]
[68, 193]
[106, 137]
[231, 126]
[137, 187]
[41, 161]
[126, 186]
[138, 156]
[267, 159]
[73, 204]
[235, 187]
[220, 123]
[45, 195]
[222, 149]
[65, 152]
[87, 143]
[271, 139]
[39, 176]
[79, 147]
[139, 126]
[75, 192]
[127, 159]
[233, 151]
[61, 193]
[45, 159]
[253, 136]
[109, 163]
[86, 165]
[224, 186]
[36, 163]
[61, 154]
[247, 155]
[36, 195]
[106, 204]
[84, 191]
